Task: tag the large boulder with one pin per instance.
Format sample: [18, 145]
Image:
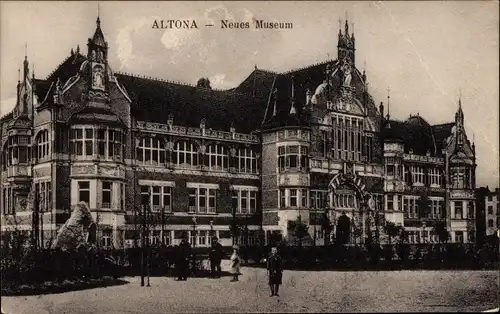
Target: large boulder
[77, 230]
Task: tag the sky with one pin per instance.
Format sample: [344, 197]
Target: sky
[427, 53]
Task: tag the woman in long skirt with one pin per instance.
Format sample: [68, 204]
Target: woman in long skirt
[235, 263]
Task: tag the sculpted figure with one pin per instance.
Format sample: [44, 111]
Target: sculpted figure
[347, 74]
[77, 230]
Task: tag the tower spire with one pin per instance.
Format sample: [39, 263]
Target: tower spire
[292, 109]
[388, 102]
[25, 63]
[346, 24]
[460, 98]
[98, 19]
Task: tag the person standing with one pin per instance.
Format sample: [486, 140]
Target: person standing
[182, 263]
[215, 258]
[235, 263]
[275, 271]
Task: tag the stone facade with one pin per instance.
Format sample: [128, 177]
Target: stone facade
[306, 146]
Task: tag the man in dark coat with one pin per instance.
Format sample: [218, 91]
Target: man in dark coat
[182, 262]
[215, 257]
[275, 271]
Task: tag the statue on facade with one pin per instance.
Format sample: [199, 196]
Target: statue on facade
[346, 70]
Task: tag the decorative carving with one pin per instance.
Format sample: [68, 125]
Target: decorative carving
[98, 76]
[203, 123]
[233, 152]
[87, 169]
[202, 149]
[170, 120]
[169, 146]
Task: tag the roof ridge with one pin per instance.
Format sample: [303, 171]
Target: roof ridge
[309, 66]
[267, 71]
[225, 91]
[59, 65]
[440, 124]
[156, 79]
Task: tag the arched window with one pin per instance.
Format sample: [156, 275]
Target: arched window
[185, 154]
[217, 157]
[18, 150]
[247, 161]
[42, 145]
[151, 151]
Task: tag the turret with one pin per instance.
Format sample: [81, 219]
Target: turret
[346, 45]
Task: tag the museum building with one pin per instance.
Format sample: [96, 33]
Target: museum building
[307, 146]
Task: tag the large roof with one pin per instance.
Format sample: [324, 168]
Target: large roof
[418, 135]
[307, 78]
[153, 101]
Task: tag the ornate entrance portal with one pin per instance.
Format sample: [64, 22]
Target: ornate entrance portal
[349, 207]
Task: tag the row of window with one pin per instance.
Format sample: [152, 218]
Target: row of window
[17, 150]
[411, 207]
[293, 157]
[105, 143]
[202, 199]
[43, 193]
[345, 140]
[459, 209]
[152, 151]
[107, 192]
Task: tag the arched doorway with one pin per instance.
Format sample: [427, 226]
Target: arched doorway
[348, 206]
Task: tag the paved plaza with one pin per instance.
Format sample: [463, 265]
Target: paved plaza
[325, 291]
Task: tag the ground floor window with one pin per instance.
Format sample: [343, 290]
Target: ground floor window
[106, 240]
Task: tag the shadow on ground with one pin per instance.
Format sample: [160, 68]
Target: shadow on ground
[173, 274]
[61, 287]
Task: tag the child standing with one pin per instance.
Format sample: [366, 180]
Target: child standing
[235, 263]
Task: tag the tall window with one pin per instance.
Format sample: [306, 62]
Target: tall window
[389, 166]
[106, 239]
[217, 157]
[18, 150]
[44, 190]
[247, 161]
[122, 196]
[303, 197]
[458, 205]
[318, 199]
[282, 198]
[7, 202]
[160, 197]
[151, 151]
[202, 199]
[390, 202]
[410, 206]
[245, 200]
[417, 174]
[292, 157]
[106, 194]
[344, 200]
[84, 191]
[42, 145]
[293, 201]
[89, 142]
[185, 154]
[458, 178]
[434, 176]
